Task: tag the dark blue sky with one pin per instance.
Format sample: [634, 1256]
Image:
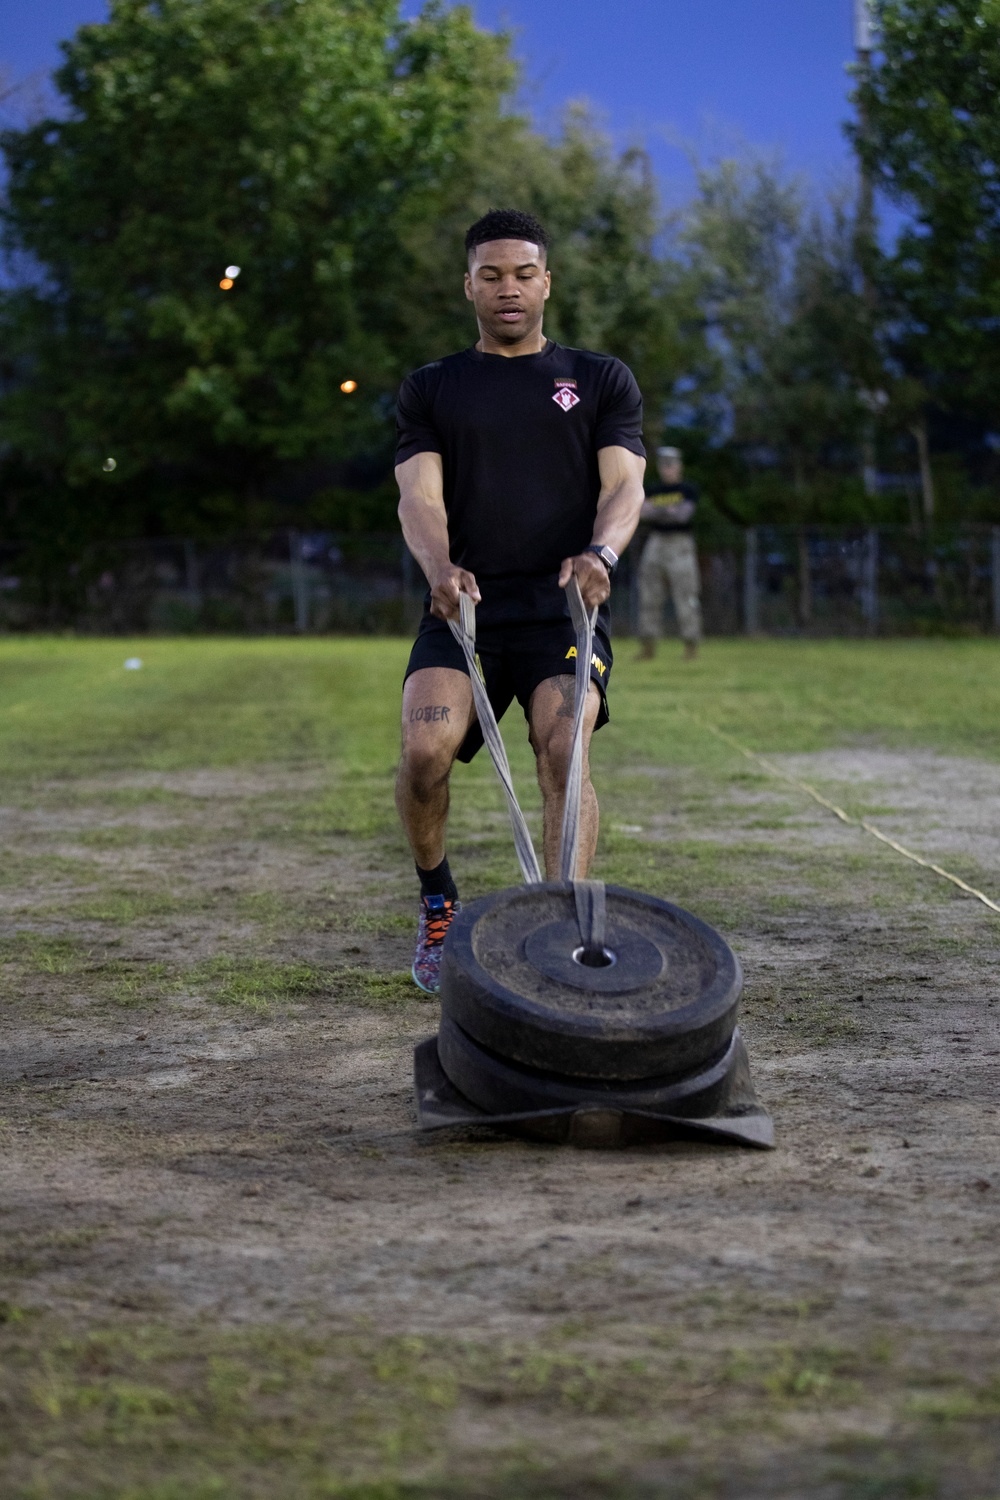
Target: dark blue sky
[703, 74]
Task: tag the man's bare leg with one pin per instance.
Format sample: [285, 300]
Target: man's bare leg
[551, 715]
[437, 712]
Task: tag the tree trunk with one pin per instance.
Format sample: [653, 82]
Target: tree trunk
[805, 579]
[805, 575]
[919, 431]
[869, 464]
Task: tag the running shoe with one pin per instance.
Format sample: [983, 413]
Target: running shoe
[436, 913]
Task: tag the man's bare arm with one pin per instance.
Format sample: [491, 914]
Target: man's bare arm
[424, 521]
[618, 508]
[621, 497]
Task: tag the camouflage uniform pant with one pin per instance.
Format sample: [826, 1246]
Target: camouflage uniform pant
[670, 561]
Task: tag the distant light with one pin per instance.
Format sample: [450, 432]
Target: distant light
[226, 283]
[348, 386]
[109, 465]
[232, 272]
[133, 663]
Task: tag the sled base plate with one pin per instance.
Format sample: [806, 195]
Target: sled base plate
[743, 1122]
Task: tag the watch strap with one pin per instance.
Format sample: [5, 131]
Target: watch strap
[609, 562]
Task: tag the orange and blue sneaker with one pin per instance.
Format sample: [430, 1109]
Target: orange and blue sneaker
[436, 913]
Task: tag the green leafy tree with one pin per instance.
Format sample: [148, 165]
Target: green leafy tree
[931, 139]
[297, 139]
[792, 340]
[336, 155]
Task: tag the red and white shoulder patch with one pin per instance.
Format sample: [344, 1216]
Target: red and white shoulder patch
[565, 395]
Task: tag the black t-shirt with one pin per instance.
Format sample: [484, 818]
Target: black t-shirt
[669, 494]
[519, 439]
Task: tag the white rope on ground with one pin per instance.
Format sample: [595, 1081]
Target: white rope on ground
[838, 812]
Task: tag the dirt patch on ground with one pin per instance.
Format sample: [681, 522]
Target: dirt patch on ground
[207, 1129]
[945, 805]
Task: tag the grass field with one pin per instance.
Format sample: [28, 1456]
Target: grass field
[230, 1268]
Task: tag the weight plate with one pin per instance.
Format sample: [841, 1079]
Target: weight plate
[501, 1087]
[502, 983]
[631, 960]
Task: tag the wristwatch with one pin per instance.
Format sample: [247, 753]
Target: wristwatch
[608, 556]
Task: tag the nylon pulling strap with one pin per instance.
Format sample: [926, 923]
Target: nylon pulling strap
[583, 624]
[464, 631]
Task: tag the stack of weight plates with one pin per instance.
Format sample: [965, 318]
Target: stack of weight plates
[635, 1041]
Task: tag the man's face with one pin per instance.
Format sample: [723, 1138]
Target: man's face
[508, 285]
[671, 470]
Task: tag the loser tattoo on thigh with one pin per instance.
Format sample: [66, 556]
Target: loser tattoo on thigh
[431, 713]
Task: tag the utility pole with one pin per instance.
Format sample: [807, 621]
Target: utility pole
[864, 41]
[864, 236]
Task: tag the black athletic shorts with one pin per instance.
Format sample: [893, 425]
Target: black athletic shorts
[514, 659]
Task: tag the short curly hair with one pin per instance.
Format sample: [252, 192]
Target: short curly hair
[506, 224]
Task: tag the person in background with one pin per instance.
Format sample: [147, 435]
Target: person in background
[669, 559]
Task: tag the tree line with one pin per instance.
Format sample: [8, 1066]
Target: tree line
[243, 225]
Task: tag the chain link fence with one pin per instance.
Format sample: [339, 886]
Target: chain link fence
[286, 582]
[775, 580]
[842, 581]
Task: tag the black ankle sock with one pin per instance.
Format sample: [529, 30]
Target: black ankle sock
[438, 882]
